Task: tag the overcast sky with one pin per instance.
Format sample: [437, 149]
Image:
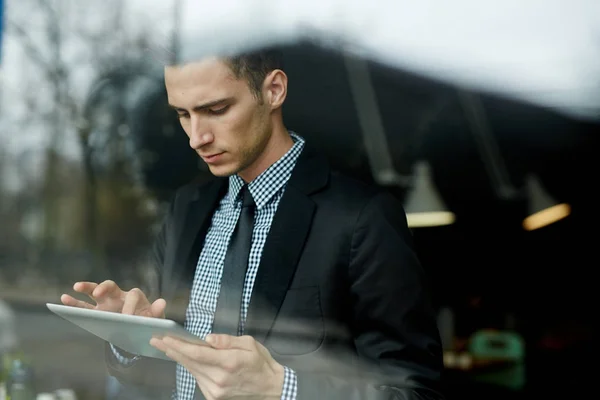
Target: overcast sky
[545, 51]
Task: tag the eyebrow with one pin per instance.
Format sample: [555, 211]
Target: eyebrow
[203, 106]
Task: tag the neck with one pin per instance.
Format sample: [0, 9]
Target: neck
[279, 143]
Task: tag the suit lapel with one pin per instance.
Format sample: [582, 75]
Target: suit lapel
[193, 214]
[285, 242]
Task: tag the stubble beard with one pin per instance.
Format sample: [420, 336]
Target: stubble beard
[250, 156]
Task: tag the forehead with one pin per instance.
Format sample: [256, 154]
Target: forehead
[201, 81]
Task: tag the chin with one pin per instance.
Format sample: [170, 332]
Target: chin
[222, 171]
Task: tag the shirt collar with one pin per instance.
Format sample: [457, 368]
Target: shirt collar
[264, 186]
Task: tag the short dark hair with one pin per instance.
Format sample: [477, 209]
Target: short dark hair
[255, 66]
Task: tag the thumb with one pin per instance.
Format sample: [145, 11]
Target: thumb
[157, 309]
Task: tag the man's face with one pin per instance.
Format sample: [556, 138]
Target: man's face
[226, 124]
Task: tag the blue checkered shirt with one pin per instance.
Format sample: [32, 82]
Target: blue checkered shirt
[267, 190]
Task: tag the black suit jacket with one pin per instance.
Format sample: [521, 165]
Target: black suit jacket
[339, 296]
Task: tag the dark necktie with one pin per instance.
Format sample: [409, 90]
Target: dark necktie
[227, 315]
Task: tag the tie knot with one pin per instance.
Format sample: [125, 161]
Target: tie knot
[247, 200]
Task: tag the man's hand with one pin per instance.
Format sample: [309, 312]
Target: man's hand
[231, 368]
[108, 296]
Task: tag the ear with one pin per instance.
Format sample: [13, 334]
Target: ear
[275, 88]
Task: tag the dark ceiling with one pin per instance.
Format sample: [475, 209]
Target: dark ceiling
[486, 252]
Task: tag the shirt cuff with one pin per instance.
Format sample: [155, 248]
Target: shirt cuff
[122, 356]
[290, 384]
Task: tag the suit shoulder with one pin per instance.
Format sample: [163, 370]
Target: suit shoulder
[368, 203]
[351, 191]
[346, 183]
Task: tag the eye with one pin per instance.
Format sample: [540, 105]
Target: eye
[218, 111]
[181, 115]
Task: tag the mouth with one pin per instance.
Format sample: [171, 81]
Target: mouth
[212, 158]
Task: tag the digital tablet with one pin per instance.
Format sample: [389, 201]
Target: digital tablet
[131, 333]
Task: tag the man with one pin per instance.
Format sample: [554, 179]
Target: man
[331, 301]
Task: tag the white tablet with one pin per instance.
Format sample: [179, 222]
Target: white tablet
[131, 333]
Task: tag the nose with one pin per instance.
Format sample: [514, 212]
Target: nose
[200, 134]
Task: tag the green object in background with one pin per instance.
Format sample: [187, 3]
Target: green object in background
[20, 381]
[9, 357]
[500, 346]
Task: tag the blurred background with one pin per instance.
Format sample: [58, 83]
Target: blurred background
[495, 170]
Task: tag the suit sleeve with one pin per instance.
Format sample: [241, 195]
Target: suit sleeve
[394, 324]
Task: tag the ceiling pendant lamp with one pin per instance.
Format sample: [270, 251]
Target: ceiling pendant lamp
[424, 206]
[543, 209]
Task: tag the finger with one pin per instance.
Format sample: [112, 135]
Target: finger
[171, 350]
[221, 341]
[158, 343]
[182, 355]
[73, 302]
[212, 378]
[134, 301]
[198, 352]
[107, 289]
[201, 372]
[85, 287]
[157, 309]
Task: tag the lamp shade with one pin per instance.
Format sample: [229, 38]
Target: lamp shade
[543, 209]
[424, 206]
